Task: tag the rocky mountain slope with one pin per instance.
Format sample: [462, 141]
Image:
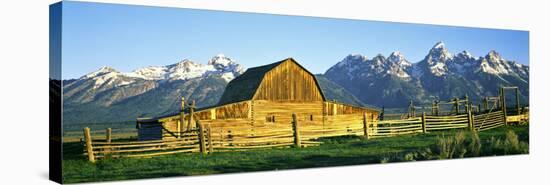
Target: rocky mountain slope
[393, 81]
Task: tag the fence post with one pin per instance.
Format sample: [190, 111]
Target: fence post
[108, 138]
[466, 103]
[423, 122]
[456, 106]
[365, 126]
[209, 135]
[89, 147]
[437, 108]
[486, 104]
[202, 144]
[470, 120]
[108, 132]
[478, 108]
[191, 114]
[296, 129]
[182, 117]
[517, 100]
[503, 102]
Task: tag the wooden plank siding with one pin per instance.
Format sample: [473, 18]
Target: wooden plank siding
[281, 111]
[288, 82]
[230, 113]
[334, 108]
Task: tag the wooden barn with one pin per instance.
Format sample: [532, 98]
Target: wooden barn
[262, 97]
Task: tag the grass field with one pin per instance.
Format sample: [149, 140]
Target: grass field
[336, 151]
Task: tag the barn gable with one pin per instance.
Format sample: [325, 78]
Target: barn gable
[283, 80]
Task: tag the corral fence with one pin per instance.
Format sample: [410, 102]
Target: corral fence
[206, 140]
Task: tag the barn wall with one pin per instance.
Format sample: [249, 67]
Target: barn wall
[333, 108]
[288, 82]
[262, 110]
[227, 115]
[349, 119]
[342, 114]
[308, 113]
[171, 126]
[229, 111]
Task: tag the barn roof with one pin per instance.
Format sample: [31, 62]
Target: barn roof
[245, 86]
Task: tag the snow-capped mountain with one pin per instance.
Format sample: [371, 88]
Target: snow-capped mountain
[392, 81]
[183, 70]
[376, 80]
[356, 65]
[160, 86]
[107, 78]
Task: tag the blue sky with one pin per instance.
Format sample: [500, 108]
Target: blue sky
[129, 37]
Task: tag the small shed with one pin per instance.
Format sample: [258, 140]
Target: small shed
[149, 129]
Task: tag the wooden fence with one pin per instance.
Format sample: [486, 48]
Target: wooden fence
[489, 120]
[95, 149]
[448, 122]
[205, 139]
[390, 128]
[426, 123]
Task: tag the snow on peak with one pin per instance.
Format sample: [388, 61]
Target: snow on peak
[465, 55]
[103, 76]
[101, 71]
[494, 56]
[493, 63]
[186, 69]
[350, 65]
[399, 59]
[356, 56]
[221, 60]
[439, 44]
[379, 58]
[106, 68]
[149, 73]
[396, 56]
[352, 60]
[226, 64]
[439, 53]
[438, 69]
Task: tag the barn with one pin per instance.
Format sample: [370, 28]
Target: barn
[262, 97]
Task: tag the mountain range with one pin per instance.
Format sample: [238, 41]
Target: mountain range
[393, 81]
[107, 95]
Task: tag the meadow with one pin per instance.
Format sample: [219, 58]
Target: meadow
[335, 151]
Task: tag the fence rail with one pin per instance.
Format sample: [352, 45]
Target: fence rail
[489, 120]
[206, 139]
[448, 122]
[391, 128]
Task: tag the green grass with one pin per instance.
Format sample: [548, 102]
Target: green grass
[335, 151]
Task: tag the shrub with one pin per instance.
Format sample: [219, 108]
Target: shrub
[509, 145]
[463, 144]
[513, 146]
[452, 146]
[475, 145]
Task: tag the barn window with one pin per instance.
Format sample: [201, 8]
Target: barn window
[270, 118]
